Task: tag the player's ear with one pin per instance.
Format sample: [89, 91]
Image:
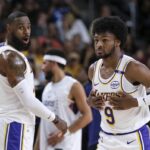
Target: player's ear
[8, 28]
[117, 43]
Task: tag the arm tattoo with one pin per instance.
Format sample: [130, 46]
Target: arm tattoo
[15, 67]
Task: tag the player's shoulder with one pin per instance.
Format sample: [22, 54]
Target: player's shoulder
[134, 67]
[92, 68]
[70, 79]
[12, 59]
[9, 50]
[4, 47]
[132, 63]
[127, 58]
[2, 44]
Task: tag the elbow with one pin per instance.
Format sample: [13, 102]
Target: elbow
[88, 117]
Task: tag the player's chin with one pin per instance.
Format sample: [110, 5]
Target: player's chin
[99, 55]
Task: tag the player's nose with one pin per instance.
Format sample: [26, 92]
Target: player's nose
[26, 31]
[99, 45]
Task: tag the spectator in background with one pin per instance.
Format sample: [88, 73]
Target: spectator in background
[131, 46]
[53, 36]
[68, 47]
[71, 26]
[140, 56]
[88, 56]
[105, 10]
[75, 68]
[144, 20]
[40, 28]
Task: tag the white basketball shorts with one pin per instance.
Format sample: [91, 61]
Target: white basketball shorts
[138, 140]
[16, 136]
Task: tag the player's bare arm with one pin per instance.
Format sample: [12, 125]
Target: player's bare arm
[77, 93]
[13, 67]
[136, 73]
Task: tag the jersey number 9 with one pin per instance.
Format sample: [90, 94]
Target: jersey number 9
[109, 115]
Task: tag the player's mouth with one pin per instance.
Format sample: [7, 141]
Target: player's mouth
[99, 52]
[25, 40]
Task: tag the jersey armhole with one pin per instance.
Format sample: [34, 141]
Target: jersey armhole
[124, 69]
[94, 71]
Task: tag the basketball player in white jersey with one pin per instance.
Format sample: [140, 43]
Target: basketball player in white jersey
[66, 97]
[18, 104]
[119, 83]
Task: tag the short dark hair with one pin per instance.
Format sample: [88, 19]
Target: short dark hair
[15, 15]
[57, 52]
[111, 24]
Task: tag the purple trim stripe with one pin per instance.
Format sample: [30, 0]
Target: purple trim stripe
[14, 136]
[145, 138]
[140, 129]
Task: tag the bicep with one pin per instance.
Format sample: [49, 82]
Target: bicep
[138, 72]
[79, 96]
[15, 67]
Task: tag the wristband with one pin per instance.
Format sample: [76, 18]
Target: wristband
[67, 133]
[56, 120]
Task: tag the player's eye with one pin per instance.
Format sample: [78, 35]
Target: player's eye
[29, 27]
[21, 28]
[96, 41]
[105, 40]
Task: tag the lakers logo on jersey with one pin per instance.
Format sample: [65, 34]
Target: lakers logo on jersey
[105, 95]
[114, 84]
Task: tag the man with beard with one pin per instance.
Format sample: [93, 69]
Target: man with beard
[18, 104]
[66, 97]
[118, 82]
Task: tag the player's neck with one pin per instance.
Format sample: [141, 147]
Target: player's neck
[112, 61]
[59, 75]
[9, 42]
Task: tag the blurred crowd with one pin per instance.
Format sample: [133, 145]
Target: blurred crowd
[65, 24]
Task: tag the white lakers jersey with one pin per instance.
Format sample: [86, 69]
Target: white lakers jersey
[55, 97]
[119, 121]
[11, 109]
